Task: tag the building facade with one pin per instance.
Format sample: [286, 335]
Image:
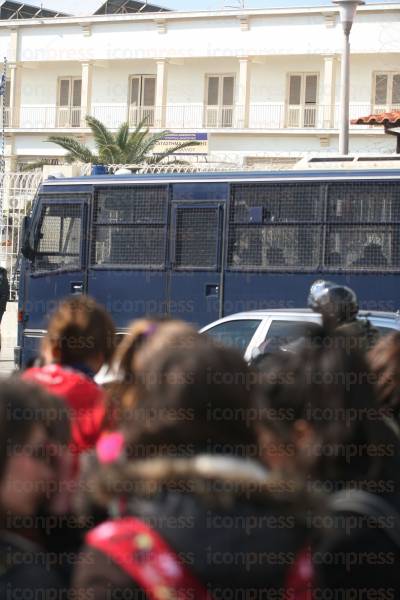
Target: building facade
[263, 85]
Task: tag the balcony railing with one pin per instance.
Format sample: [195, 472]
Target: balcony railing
[68, 116]
[260, 116]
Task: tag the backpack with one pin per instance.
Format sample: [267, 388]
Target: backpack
[143, 555]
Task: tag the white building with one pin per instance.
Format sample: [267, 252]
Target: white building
[259, 83]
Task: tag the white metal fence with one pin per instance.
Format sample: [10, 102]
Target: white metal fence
[17, 192]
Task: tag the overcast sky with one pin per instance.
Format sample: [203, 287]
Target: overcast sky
[75, 6]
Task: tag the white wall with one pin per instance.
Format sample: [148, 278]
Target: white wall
[293, 34]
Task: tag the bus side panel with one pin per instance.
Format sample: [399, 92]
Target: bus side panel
[254, 291]
[257, 291]
[128, 295]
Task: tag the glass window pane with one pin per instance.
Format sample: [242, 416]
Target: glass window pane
[228, 88]
[135, 87]
[236, 334]
[311, 89]
[149, 91]
[212, 91]
[7, 94]
[77, 92]
[282, 333]
[64, 92]
[59, 238]
[396, 89]
[381, 85]
[294, 89]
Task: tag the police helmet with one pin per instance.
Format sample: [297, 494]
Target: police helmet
[333, 301]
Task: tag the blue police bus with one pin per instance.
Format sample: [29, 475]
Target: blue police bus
[199, 246]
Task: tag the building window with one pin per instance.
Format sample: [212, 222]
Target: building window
[7, 104]
[220, 92]
[69, 102]
[302, 100]
[386, 92]
[142, 99]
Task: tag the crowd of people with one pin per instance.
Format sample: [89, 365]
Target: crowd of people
[191, 475]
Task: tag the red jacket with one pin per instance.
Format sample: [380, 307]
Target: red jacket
[83, 396]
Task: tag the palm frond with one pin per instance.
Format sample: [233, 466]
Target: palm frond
[147, 144]
[111, 154]
[122, 136]
[38, 164]
[75, 148]
[159, 157]
[102, 135]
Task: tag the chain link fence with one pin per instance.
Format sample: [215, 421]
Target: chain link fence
[17, 192]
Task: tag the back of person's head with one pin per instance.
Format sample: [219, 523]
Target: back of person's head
[193, 396]
[121, 392]
[320, 403]
[79, 330]
[23, 406]
[384, 360]
[34, 431]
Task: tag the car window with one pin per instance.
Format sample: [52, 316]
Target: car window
[235, 333]
[383, 330]
[281, 333]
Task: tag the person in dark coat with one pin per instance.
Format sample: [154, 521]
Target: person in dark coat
[4, 293]
[319, 411]
[190, 472]
[33, 428]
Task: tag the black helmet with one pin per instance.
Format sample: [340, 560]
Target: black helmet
[333, 301]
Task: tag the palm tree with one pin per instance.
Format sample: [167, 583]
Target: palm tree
[120, 148]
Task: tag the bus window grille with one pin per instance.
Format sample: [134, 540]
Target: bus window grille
[196, 242]
[287, 234]
[130, 227]
[363, 226]
[285, 227]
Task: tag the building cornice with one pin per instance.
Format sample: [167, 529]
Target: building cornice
[193, 15]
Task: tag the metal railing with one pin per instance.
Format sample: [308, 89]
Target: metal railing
[267, 115]
[68, 116]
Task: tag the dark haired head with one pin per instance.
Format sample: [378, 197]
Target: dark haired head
[384, 360]
[328, 389]
[78, 330]
[193, 396]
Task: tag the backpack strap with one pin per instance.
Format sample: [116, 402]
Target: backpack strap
[370, 505]
[147, 559]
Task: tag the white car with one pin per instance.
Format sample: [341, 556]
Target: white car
[248, 331]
